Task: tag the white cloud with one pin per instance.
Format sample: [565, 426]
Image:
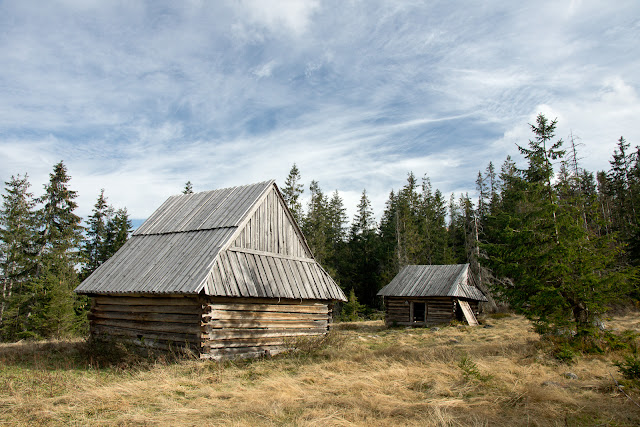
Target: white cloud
[281, 15]
[139, 98]
[264, 70]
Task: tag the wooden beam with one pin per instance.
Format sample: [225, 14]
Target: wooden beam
[267, 324]
[146, 317]
[271, 254]
[271, 307]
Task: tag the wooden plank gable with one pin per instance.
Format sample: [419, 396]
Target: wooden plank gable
[272, 229]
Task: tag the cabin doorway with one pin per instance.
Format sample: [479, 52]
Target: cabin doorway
[418, 312]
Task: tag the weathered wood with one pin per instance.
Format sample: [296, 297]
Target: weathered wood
[273, 307]
[271, 254]
[269, 301]
[146, 300]
[145, 317]
[270, 324]
[263, 315]
[260, 333]
[246, 342]
[176, 309]
[150, 326]
[439, 310]
[271, 228]
[135, 333]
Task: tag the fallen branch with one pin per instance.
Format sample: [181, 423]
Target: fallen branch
[619, 387]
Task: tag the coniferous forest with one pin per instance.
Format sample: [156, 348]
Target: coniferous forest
[546, 238]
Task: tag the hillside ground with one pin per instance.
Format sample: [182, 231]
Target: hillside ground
[363, 374]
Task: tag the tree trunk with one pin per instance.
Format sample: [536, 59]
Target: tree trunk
[4, 297]
[581, 316]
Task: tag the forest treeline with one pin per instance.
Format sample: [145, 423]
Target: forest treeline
[45, 252]
[557, 245]
[548, 238]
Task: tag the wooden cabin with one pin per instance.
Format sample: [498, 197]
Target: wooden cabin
[224, 273]
[422, 295]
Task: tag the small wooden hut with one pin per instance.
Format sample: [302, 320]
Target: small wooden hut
[422, 295]
[226, 273]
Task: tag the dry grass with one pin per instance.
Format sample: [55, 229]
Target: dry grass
[367, 375]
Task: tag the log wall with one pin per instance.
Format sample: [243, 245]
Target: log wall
[214, 327]
[252, 327]
[439, 310]
[151, 321]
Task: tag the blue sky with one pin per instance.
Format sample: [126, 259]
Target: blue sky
[139, 97]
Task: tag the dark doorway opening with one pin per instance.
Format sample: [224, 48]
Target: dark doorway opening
[419, 312]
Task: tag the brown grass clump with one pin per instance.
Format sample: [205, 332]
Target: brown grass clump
[361, 374]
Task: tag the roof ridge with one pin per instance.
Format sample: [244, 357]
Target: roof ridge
[268, 181]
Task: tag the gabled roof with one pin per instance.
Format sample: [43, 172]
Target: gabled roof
[209, 210]
[433, 280]
[187, 246]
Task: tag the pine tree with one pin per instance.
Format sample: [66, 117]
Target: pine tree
[336, 255]
[108, 230]
[409, 222]
[315, 224]
[363, 274]
[363, 223]
[483, 195]
[54, 312]
[95, 247]
[18, 230]
[337, 220]
[292, 191]
[556, 272]
[492, 185]
[119, 229]
[188, 188]
[388, 239]
[430, 218]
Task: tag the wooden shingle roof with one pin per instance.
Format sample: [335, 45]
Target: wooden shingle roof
[199, 243]
[433, 280]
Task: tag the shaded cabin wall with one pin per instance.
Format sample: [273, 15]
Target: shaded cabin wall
[439, 310]
[214, 327]
[150, 321]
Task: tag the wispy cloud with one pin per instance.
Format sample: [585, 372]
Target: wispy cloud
[138, 98]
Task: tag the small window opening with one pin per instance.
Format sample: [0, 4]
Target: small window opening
[419, 312]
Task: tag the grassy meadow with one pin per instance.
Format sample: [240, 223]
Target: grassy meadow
[363, 374]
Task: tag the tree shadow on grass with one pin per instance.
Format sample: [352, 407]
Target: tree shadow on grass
[82, 354]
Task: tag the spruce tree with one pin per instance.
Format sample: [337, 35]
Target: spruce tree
[555, 271]
[363, 275]
[107, 231]
[119, 229]
[18, 230]
[96, 244]
[315, 223]
[337, 220]
[388, 239]
[292, 191]
[336, 237]
[54, 313]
